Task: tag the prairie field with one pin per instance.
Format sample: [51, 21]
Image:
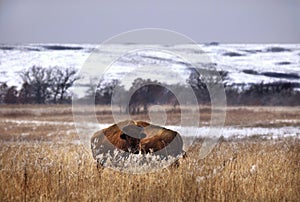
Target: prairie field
[41, 159]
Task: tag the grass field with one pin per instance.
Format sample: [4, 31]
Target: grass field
[41, 160]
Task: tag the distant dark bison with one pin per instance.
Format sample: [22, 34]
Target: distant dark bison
[137, 137]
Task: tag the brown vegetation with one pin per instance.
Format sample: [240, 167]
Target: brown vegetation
[43, 162]
[235, 116]
[245, 170]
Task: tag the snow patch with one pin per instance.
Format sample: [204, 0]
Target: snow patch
[226, 132]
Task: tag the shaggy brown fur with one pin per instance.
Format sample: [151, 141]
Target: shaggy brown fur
[137, 137]
[160, 140]
[108, 139]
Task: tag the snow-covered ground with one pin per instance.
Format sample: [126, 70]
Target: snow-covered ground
[226, 131]
[241, 132]
[246, 63]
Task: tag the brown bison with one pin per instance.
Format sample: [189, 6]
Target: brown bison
[111, 138]
[137, 137]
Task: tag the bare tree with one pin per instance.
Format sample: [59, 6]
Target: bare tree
[47, 84]
[144, 92]
[201, 79]
[62, 79]
[26, 95]
[11, 96]
[39, 79]
[105, 90]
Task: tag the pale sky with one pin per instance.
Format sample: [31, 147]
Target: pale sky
[93, 21]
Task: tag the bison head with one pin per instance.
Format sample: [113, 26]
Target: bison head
[132, 135]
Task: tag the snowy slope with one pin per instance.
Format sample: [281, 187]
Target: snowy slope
[246, 63]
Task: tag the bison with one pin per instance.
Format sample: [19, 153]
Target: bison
[111, 138]
[137, 137]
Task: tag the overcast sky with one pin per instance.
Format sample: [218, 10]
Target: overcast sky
[93, 21]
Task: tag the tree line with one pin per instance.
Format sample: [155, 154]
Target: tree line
[53, 86]
[41, 86]
[147, 92]
[281, 93]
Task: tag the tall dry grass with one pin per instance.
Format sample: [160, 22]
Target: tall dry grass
[41, 162]
[252, 169]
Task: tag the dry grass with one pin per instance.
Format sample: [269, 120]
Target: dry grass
[244, 170]
[235, 116]
[36, 166]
